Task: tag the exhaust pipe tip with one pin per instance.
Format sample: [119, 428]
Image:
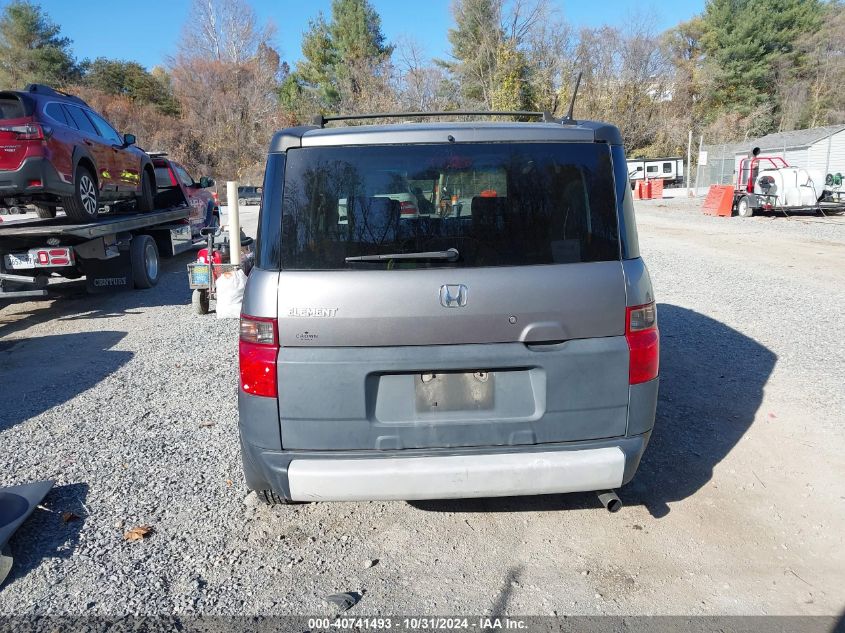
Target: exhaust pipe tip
[610, 501]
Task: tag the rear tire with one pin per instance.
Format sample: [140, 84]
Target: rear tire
[84, 204]
[271, 498]
[143, 253]
[146, 199]
[200, 301]
[45, 212]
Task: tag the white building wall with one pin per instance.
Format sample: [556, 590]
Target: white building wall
[837, 154]
[798, 157]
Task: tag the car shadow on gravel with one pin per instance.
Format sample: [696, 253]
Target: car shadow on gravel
[42, 372]
[52, 531]
[70, 301]
[711, 386]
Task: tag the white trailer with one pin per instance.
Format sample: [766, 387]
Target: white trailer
[670, 170]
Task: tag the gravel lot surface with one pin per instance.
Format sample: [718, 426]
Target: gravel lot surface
[129, 403]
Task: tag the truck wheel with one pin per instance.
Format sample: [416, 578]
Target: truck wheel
[45, 212]
[743, 209]
[143, 253]
[84, 204]
[146, 199]
[241, 202]
[200, 301]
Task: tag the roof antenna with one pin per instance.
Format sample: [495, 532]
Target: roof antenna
[568, 117]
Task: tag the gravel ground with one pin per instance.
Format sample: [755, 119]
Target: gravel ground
[129, 403]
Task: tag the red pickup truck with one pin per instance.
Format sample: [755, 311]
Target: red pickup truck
[175, 184]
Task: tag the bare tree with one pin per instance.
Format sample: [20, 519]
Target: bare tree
[421, 85]
[225, 76]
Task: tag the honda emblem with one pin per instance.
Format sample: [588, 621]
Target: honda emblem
[453, 296]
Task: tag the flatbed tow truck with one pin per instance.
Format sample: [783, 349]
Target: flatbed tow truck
[115, 251]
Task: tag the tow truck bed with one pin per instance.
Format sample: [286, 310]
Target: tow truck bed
[105, 225]
[33, 249]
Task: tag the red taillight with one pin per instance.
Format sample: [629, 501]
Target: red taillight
[28, 132]
[34, 183]
[643, 342]
[407, 208]
[258, 349]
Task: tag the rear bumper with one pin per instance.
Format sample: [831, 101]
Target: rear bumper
[15, 183]
[444, 473]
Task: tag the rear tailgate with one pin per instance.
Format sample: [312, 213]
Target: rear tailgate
[14, 116]
[519, 342]
[438, 379]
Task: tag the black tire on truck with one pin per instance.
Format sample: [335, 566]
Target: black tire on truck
[143, 253]
[146, 199]
[84, 204]
[45, 211]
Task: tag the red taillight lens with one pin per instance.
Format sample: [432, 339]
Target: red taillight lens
[643, 342]
[28, 132]
[258, 349]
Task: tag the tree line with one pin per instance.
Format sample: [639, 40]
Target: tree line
[741, 68]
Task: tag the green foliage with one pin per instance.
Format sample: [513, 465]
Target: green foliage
[352, 39]
[132, 80]
[751, 46]
[320, 58]
[32, 49]
[511, 79]
[355, 31]
[475, 44]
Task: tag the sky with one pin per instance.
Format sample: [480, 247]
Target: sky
[148, 32]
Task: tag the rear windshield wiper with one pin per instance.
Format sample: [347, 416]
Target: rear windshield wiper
[450, 255]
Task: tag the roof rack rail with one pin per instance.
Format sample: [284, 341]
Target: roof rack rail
[156, 154]
[48, 90]
[321, 120]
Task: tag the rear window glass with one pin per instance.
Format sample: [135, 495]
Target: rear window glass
[496, 204]
[11, 108]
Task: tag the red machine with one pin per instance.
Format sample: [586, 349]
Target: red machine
[749, 169]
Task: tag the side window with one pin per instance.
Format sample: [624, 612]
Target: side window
[183, 176]
[651, 169]
[54, 111]
[667, 168]
[83, 123]
[105, 130]
[68, 118]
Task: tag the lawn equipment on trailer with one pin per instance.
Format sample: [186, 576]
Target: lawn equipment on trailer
[769, 183]
[204, 273]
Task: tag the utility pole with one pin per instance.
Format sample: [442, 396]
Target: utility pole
[697, 166]
[689, 165]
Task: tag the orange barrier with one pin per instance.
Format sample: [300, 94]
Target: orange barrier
[656, 189]
[648, 189]
[642, 190]
[719, 200]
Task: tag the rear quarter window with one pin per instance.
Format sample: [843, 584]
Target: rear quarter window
[56, 112]
[497, 204]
